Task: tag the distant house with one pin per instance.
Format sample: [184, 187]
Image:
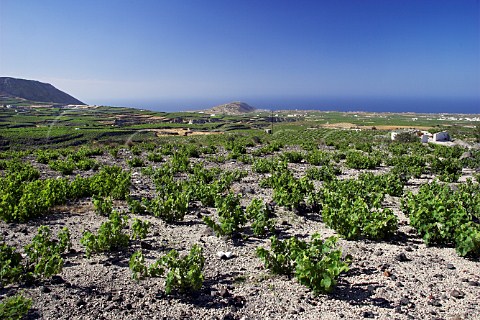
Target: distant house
[441, 136]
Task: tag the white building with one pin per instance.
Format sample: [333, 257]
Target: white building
[441, 136]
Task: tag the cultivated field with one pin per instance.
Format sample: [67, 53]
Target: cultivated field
[309, 222]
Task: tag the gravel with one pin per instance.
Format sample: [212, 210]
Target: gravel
[400, 278]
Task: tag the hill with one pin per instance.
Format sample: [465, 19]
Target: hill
[21, 89]
[232, 108]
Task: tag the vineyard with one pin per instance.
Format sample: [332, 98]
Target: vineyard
[304, 223]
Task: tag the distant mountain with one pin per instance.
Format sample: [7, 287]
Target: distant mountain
[232, 108]
[34, 91]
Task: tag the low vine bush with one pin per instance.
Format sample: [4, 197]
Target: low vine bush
[261, 216]
[231, 216]
[43, 257]
[22, 200]
[359, 160]
[289, 191]
[316, 264]
[15, 307]
[353, 207]
[443, 216]
[183, 274]
[110, 236]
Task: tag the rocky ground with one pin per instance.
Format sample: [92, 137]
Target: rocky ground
[396, 279]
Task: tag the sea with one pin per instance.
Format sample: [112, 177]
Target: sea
[394, 105]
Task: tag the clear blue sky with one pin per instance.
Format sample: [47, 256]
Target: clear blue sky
[191, 52]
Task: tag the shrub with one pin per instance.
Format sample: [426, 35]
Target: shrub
[135, 162]
[140, 228]
[230, 215]
[316, 265]
[15, 307]
[102, 206]
[110, 236]
[44, 254]
[443, 216]
[260, 214]
[10, 265]
[183, 274]
[357, 160]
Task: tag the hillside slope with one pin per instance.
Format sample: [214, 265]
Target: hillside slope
[34, 91]
[232, 108]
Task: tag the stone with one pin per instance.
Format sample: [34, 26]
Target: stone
[368, 314]
[450, 266]
[435, 303]
[473, 283]
[224, 255]
[401, 257]
[45, 289]
[457, 294]
[80, 303]
[404, 301]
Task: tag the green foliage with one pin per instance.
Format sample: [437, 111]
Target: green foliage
[137, 266]
[316, 264]
[102, 206]
[406, 137]
[44, 254]
[140, 228]
[260, 214]
[110, 181]
[15, 307]
[408, 165]
[476, 133]
[87, 164]
[135, 162]
[110, 236]
[20, 171]
[65, 167]
[45, 156]
[264, 165]
[443, 216]
[231, 216]
[318, 158]
[358, 160]
[289, 191]
[182, 274]
[293, 156]
[24, 201]
[353, 207]
[136, 206]
[154, 157]
[448, 170]
[180, 162]
[323, 173]
[11, 268]
[170, 208]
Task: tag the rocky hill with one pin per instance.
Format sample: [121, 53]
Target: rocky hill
[232, 108]
[34, 91]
